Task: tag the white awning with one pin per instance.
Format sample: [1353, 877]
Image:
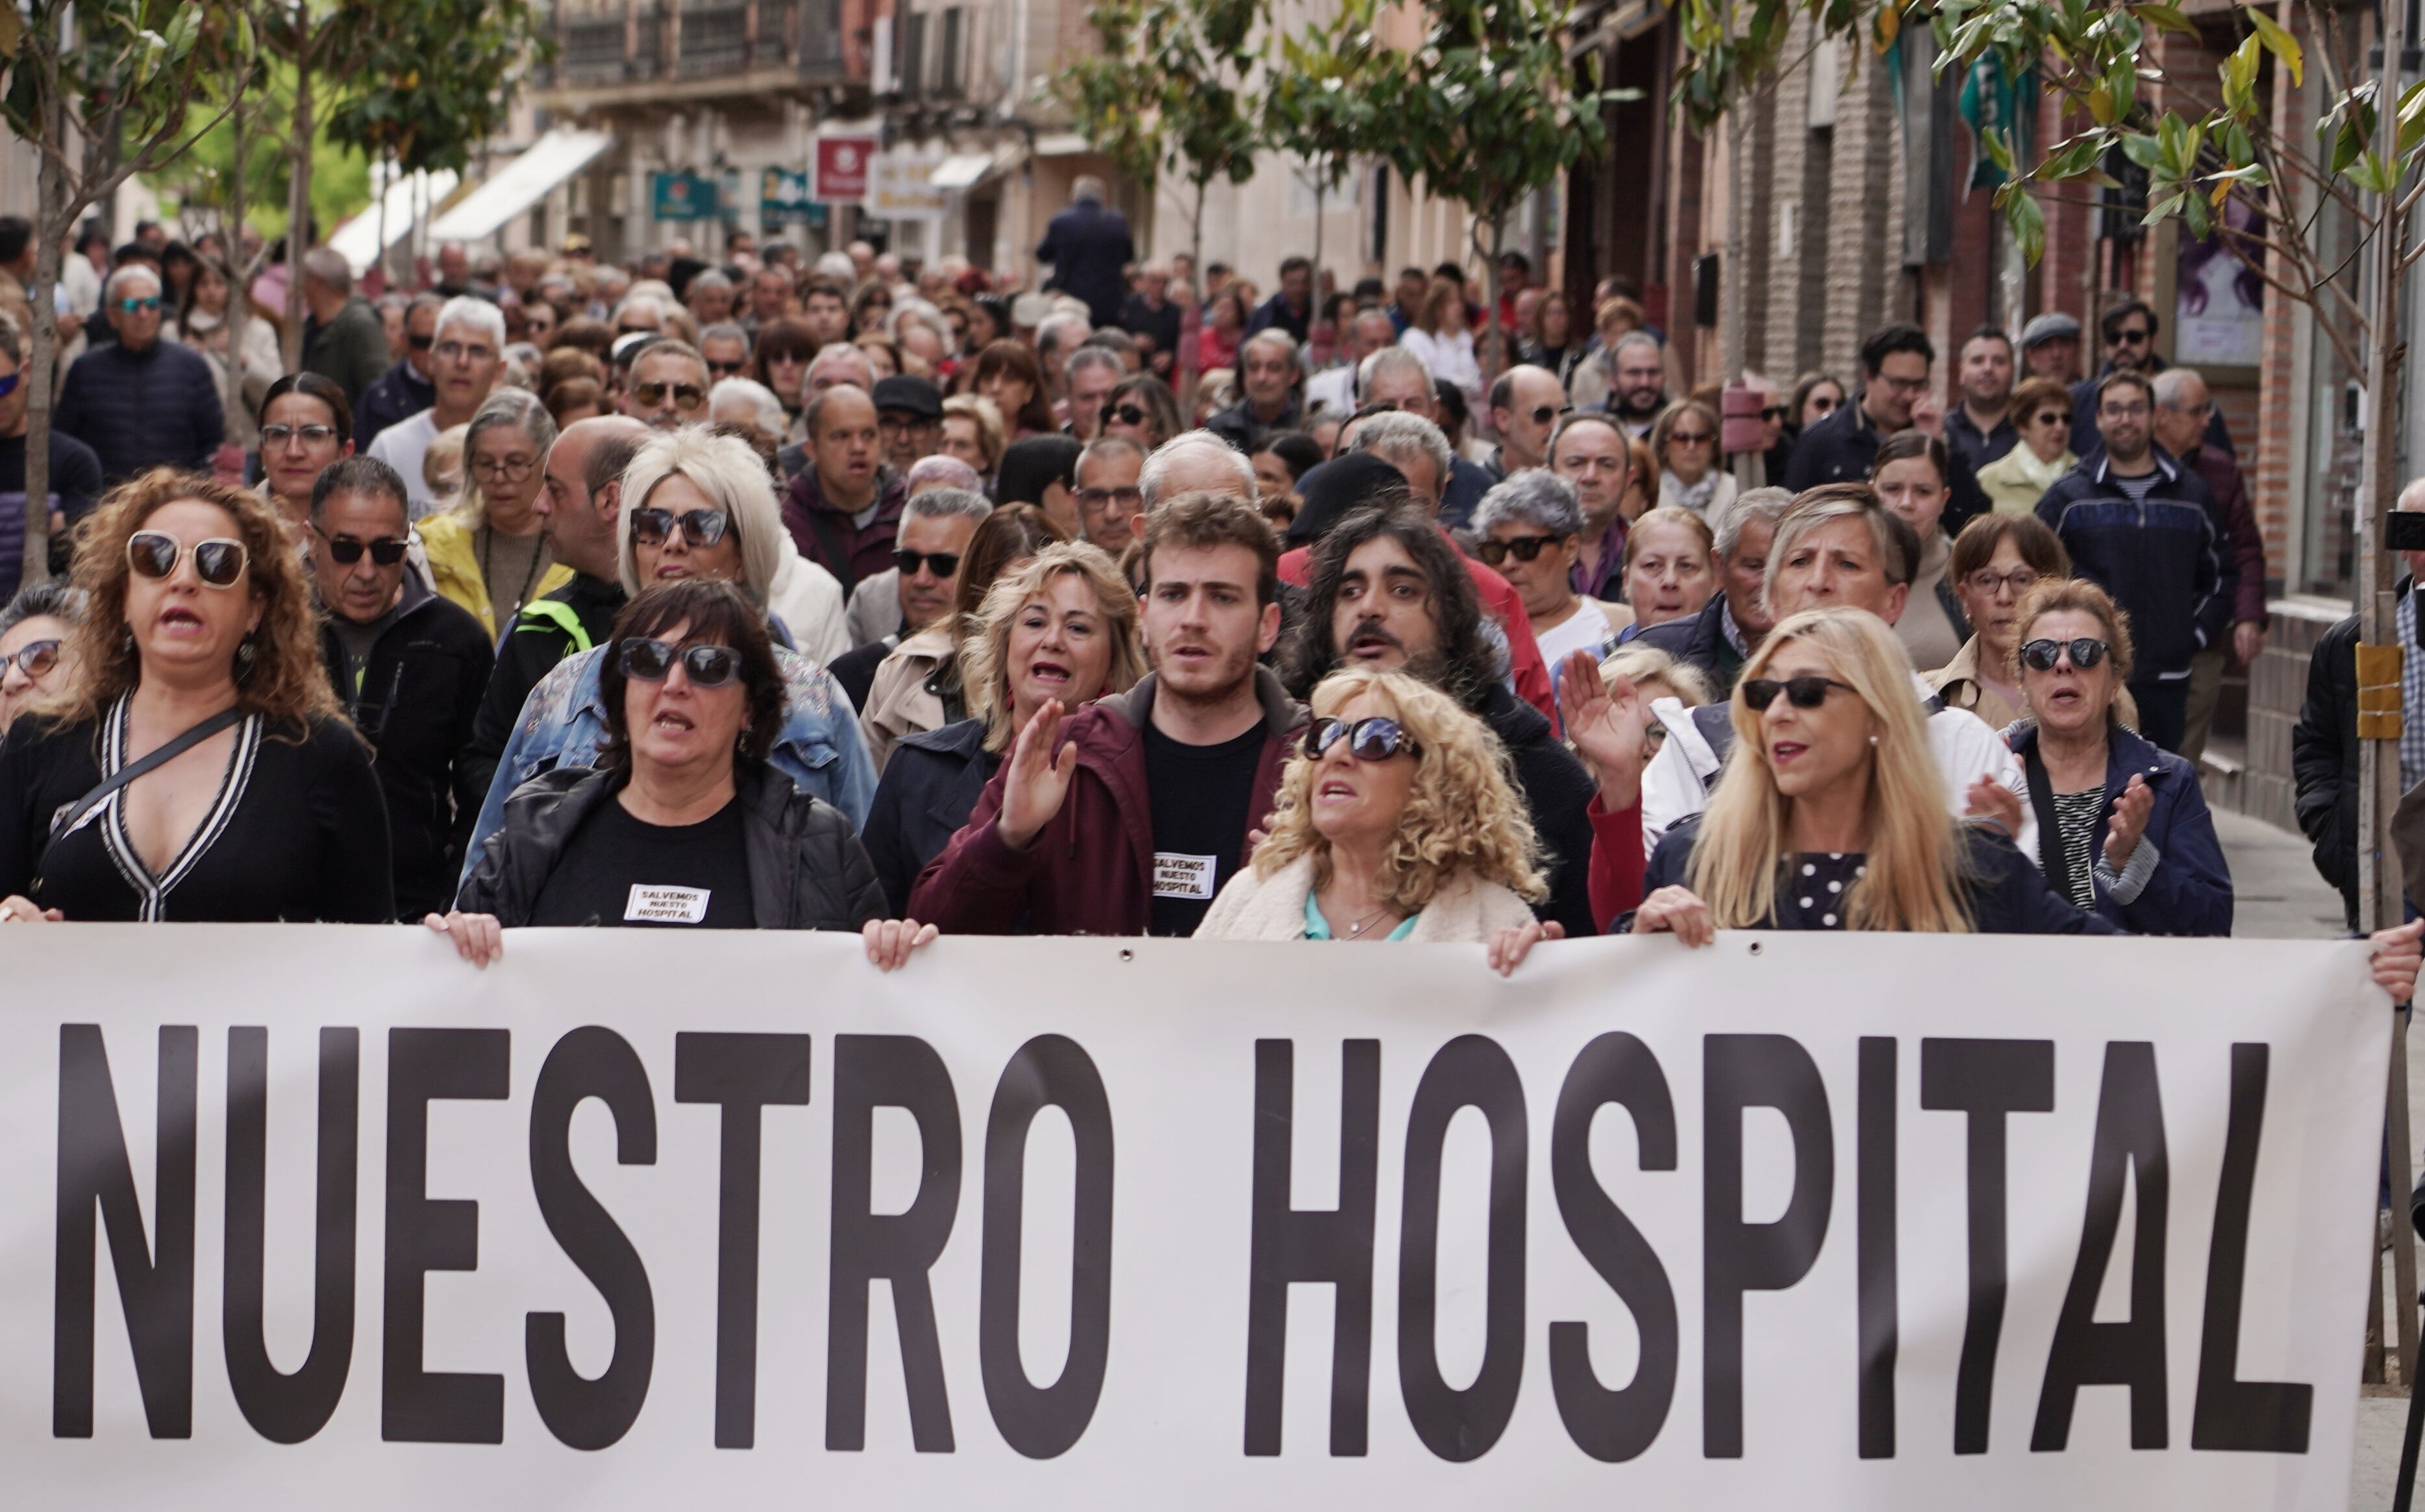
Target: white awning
[358, 238]
[1061, 144]
[522, 183]
[960, 170]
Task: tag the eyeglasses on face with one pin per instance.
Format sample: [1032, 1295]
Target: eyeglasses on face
[459, 351]
[141, 304]
[1802, 692]
[34, 658]
[2053, 417]
[1904, 385]
[1095, 501]
[686, 395]
[1373, 739]
[2129, 336]
[2042, 655]
[1824, 405]
[1689, 437]
[502, 469]
[1523, 547]
[1544, 413]
[649, 660]
[700, 527]
[219, 562]
[386, 551]
[1773, 413]
[1127, 415]
[275, 437]
[1987, 582]
[716, 369]
[419, 343]
[943, 564]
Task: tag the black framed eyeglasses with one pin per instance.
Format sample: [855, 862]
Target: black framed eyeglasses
[34, 658]
[2042, 655]
[275, 437]
[700, 527]
[1523, 547]
[1373, 739]
[650, 660]
[686, 395]
[386, 551]
[219, 562]
[1802, 692]
[943, 564]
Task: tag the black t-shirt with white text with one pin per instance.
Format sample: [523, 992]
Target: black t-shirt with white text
[618, 869]
[1200, 797]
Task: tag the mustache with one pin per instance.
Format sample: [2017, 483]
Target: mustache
[1372, 629]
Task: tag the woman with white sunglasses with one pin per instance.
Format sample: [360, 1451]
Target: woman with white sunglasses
[195, 766]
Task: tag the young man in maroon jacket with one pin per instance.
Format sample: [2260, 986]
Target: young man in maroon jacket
[1127, 817]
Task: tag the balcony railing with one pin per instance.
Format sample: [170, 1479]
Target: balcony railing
[707, 38]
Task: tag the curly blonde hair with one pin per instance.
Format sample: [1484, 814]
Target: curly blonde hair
[985, 646]
[1463, 816]
[286, 681]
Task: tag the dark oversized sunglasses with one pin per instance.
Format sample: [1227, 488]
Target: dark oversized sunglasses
[2041, 655]
[345, 551]
[686, 395]
[943, 564]
[700, 527]
[707, 667]
[1802, 692]
[8, 384]
[34, 658]
[420, 343]
[219, 562]
[1375, 739]
[1523, 547]
[1128, 414]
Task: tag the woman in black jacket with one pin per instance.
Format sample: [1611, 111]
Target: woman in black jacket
[683, 823]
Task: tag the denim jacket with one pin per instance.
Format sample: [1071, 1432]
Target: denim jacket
[563, 724]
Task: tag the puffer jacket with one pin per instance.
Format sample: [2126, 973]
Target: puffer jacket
[2178, 881]
[2166, 561]
[400, 393]
[563, 724]
[1090, 871]
[158, 406]
[807, 870]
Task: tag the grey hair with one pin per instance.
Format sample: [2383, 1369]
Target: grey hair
[330, 266]
[519, 409]
[838, 351]
[2169, 383]
[1110, 446]
[710, 278]
[919, 313]
[1048, 336]
[1274, 336]
[54, 597]
[1636, 337]
[1389, 357]
[143, 270]
[1088, 188]
[1755, 504]
[431, 302]
[946, 503]
[482, 317]
[1534, 496]
[1157, 467]
[770, 417]
[1397, 434]
[1088, 356]
[945, 469]
[725, 331]
[730, 473]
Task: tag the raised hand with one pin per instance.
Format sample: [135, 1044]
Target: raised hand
[1038, 781]
[2130, 812]
[1610, 727]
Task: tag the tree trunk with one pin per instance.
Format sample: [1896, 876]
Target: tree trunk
[299, 197]
[53, 222]
[239, 308]
[1491, 357]
[381, 184]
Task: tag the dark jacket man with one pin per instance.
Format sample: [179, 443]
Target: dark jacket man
[2324, 758]
[2162, 560]
[1840, 447]
[1241, 428]
[828, 536]
[2220, 471]
[414, 701]
[1278, 311]
[1558, 792]
[570, 621]
[931, 785]
[807, 870]
[1090, 871]
[143, 410]
[1089, 248]
[349, 350]
[2086, 437]
[397, 393]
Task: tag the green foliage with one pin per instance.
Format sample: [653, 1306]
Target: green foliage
[438, 79]
[202, 179]
[1168, 90]
[1321, 99]
[120, 66]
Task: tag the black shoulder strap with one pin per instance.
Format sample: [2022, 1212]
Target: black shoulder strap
[830, 541]
[2054, 857]
[71, 818]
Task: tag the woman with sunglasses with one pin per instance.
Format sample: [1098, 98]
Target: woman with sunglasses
[2123, 830]
[700, 505]
[1395, 820]
[490, 552]
[306, 429]
[2016, 481]
[1814, 399]
[779, 358]
[1142, 409]
[34, 631]
[1530, 530]
[195, 766]
[683, 823]
[1684, 444]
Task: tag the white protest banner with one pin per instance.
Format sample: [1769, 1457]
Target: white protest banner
[325, 1218]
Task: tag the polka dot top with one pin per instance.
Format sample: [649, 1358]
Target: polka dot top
[1812, 896]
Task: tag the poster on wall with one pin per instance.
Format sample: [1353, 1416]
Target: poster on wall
[2219, 302]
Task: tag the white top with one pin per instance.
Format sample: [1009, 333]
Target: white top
[810, 600]
[1965, 750]
[1447, 356]
[1585, 628]
[81, 285]
[1333, 388]
[402, 446]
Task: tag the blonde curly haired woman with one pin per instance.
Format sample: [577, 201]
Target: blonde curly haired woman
[1396, 821]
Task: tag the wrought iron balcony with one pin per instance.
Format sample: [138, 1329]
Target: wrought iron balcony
[692, 40]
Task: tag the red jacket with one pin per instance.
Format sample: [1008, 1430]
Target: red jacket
[827, 536]
[1499, 601]
[1089, 872]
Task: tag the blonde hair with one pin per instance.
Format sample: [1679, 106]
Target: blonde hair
[1638, 663]
[729, 473]
[977, 407]
[1917, 867]
[985, 645]
[444, 455]
[1464, 817]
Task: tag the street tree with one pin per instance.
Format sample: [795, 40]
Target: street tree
[1486, 112]
[1319, 101]
[102, 89]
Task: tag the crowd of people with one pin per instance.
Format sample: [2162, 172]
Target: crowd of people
[850, 593]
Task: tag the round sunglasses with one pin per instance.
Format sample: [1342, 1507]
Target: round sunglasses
[650, 660]
[1373, 739]
[700, 527]
[219, 562]
[2041, 655]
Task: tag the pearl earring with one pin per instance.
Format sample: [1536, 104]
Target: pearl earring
[1873, 740]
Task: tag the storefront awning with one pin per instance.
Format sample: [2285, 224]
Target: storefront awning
[1061, 144]
[960, 170]
[358, 238]
[522, 183]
